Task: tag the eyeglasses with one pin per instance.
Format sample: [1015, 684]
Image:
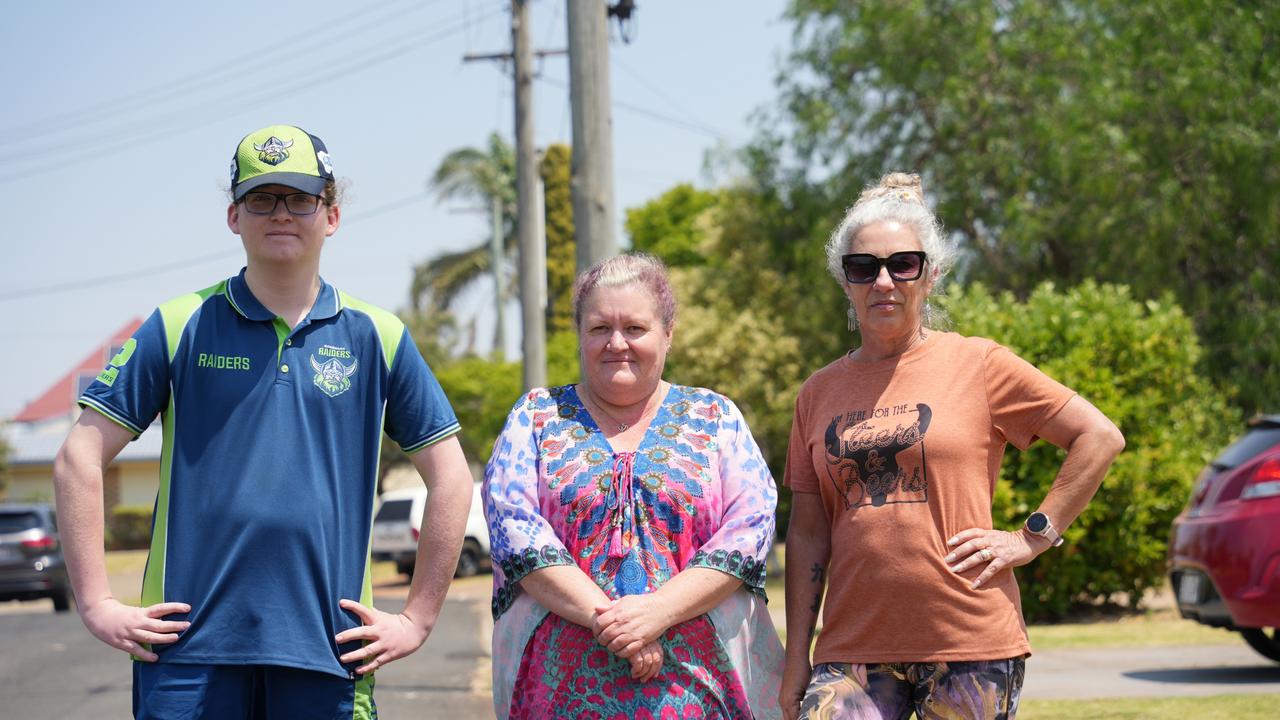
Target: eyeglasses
[863, 268]
[264, 203]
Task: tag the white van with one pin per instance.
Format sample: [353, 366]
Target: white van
[398, 521]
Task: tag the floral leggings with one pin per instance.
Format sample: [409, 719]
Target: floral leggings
[982, 690]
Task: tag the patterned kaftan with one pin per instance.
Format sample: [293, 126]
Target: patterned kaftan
[695, 493]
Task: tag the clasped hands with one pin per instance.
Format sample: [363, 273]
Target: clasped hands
[629, 627]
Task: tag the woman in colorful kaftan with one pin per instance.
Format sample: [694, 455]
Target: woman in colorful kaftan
[630, 519]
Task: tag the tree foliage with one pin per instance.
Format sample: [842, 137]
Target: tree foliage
[1124, 142]
[1136, 361]
[670, 225]
[561, 249]
[481, 390]
[478, 176]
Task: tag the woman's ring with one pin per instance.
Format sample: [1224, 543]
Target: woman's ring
[986, 554]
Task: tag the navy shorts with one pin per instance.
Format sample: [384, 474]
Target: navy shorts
[173, 691]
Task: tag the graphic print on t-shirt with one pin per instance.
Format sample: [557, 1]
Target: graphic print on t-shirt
[877, 457]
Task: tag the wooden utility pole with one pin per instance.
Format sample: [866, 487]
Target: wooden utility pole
[591, 182]
[533, 261]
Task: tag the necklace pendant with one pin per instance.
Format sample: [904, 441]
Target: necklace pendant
[622, 427]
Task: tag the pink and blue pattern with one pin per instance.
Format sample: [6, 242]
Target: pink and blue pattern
[695, 493]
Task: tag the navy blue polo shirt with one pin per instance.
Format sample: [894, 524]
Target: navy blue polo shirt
[270, 463]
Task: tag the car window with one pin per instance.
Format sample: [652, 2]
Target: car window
[1254, 442]
[394, 511]
[11, 522]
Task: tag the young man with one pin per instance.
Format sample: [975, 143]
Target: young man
[274, 389]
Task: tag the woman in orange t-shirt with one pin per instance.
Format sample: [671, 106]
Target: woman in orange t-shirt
[894, 455]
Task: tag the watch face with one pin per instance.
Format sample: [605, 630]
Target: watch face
[1037, 522]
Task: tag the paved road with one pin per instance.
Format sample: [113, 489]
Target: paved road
[52, 669]
[1150, 672]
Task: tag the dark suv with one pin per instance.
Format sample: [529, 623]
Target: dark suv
[31, 563]
[1224, 553]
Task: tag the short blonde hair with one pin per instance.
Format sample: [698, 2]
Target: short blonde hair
[637, 268]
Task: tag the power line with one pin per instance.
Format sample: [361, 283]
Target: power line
[163, 268]
[145, 128]
[673, 121]
[639, 77]
[199, 80]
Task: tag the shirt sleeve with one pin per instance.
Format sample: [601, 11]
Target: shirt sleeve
[749, 498]
[799, 473]
[418, 413]
[520, 538]
[1021, 397]
[134, 386]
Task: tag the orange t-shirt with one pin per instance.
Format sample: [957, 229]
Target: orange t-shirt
[905, 454]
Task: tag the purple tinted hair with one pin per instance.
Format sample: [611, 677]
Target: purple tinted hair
[638, 268]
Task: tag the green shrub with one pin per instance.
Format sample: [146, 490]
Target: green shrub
[129, 527]
[1136, 362]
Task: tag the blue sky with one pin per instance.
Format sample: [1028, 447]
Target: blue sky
[120, 119]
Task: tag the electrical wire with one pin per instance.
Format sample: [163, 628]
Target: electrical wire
[673, 121]
[638, 77]
[145, 128]
[200, 80]
[167, 267]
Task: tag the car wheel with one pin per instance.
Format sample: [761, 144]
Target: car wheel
[61, 599]
[469, 560]
[405, 568]
[1267, 643]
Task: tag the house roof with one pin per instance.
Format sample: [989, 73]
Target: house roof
[37, 443]
[60, 399]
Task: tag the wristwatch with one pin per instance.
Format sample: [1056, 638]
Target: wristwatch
[1039, 524]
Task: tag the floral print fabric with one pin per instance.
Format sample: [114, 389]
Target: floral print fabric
[695, 493]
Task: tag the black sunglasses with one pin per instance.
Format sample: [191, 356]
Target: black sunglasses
[862, 268]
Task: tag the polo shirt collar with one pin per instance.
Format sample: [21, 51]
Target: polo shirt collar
[327, 302]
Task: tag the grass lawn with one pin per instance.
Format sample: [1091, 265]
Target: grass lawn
[1212, 707]
[126, 562]
[1151, 629]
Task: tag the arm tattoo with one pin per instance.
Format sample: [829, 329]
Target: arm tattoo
[816, 577]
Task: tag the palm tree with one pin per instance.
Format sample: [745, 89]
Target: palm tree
[483, 176]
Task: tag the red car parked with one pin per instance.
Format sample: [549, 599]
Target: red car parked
[1224, 553]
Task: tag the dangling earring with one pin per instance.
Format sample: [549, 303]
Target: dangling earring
[853, 319]
[928, 314]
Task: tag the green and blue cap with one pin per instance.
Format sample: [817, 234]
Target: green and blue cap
[280, 155]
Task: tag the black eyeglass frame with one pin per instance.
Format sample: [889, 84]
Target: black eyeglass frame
[277, 197]
[884, 262]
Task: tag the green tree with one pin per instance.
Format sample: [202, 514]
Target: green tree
[480, 176]
[1125, 142]
[1136, 361]
[672, 226]
[561, 249]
